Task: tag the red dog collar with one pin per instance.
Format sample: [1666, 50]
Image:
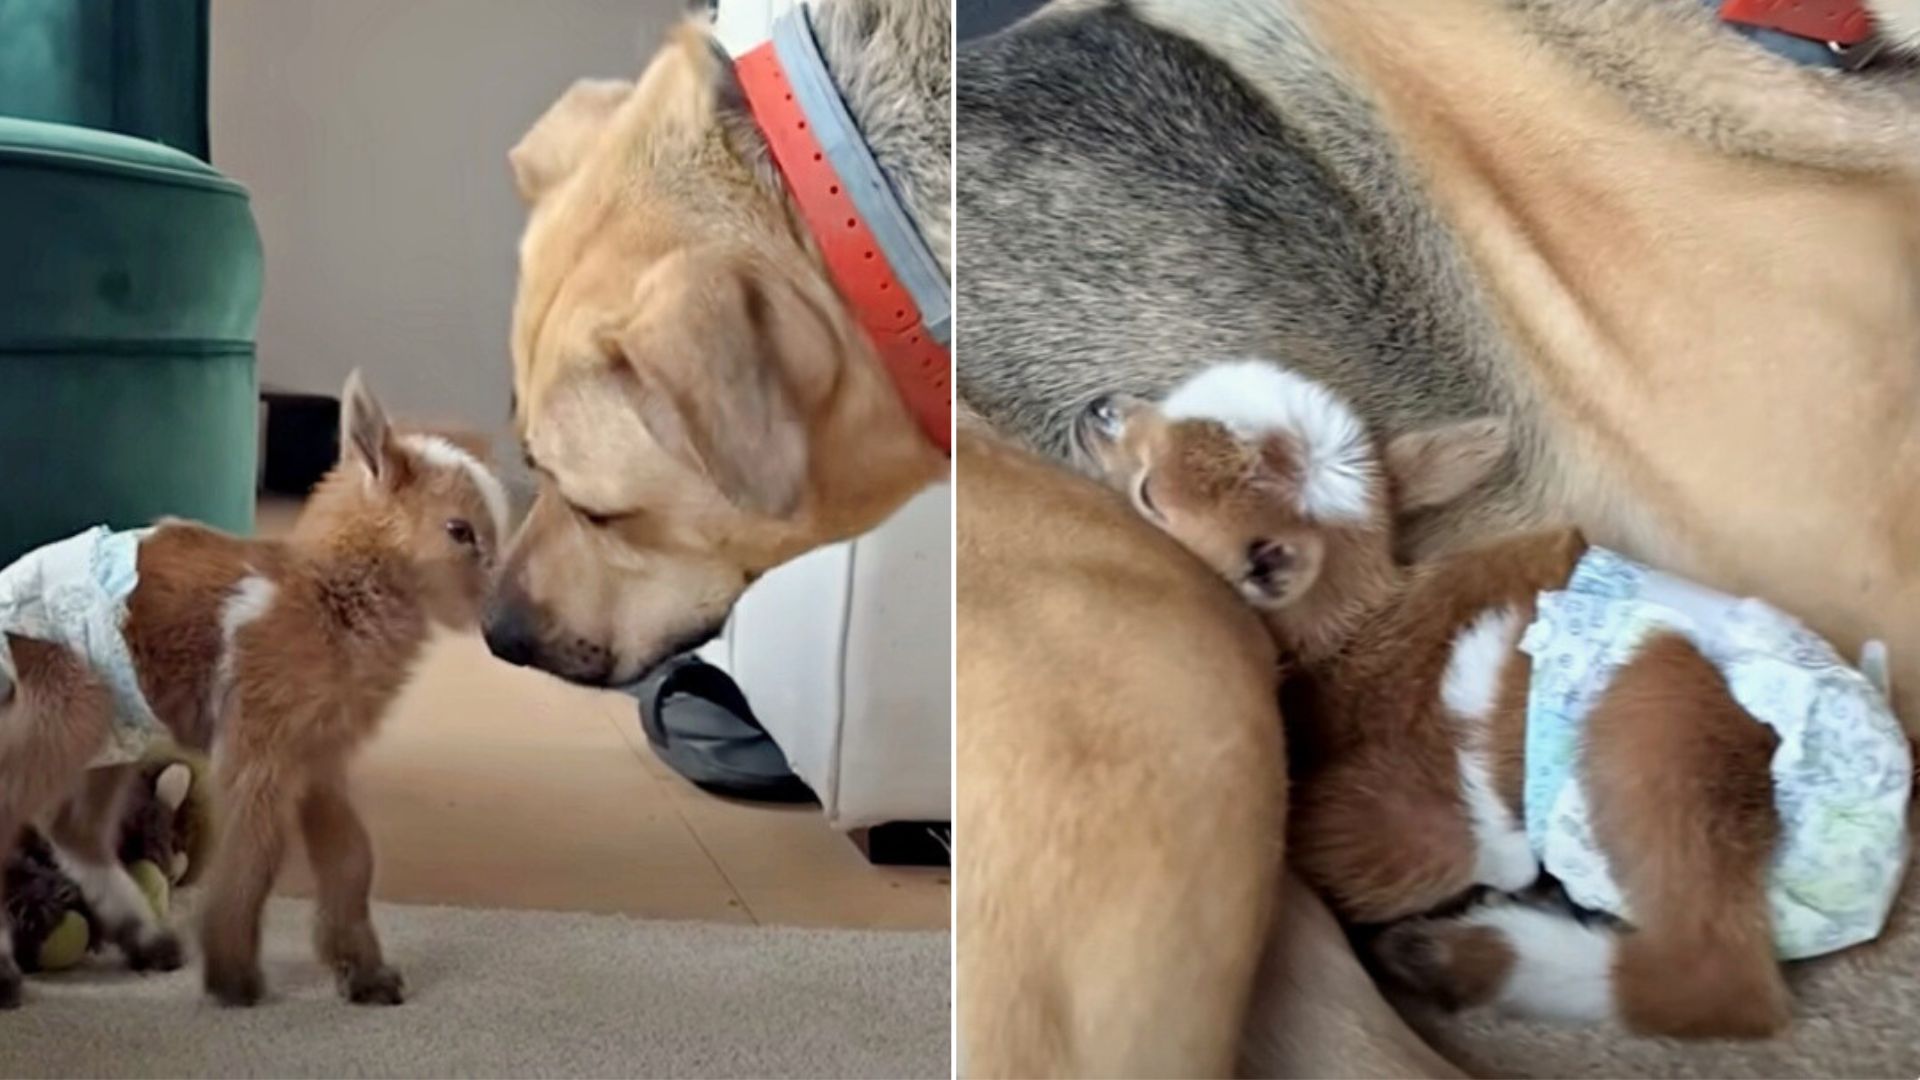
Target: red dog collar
[859, 263]
[1838, 22]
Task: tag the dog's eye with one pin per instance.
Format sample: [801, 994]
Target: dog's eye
[1144, 497]
[461, 532]
[599, 520]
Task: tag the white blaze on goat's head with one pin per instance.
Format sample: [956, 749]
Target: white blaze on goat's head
[1323, 448]
[1246, 464]
[1267, 475]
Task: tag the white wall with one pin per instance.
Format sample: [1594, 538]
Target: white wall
[373, 135]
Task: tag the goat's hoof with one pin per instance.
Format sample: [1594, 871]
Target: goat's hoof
[1455, 965]
[237, 988]
[160, 953]
[10, 985]
[374, 986]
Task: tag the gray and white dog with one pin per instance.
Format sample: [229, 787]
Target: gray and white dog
[1680, 257]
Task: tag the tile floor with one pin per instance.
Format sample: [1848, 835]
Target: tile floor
[492, 786]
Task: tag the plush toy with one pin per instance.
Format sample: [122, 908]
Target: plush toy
[163, 843]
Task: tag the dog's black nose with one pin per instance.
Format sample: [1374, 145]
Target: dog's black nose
[510, 634]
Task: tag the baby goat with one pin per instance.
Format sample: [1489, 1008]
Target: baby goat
[1702, 769]
[279, 656]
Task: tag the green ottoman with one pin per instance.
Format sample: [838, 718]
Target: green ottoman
[129, 295]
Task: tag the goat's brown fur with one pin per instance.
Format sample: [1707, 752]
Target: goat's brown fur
[1677, 773]
[1379, 821]
[393, 541]
[1678, 779]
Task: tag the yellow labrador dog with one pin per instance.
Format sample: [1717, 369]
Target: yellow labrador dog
[698, 401]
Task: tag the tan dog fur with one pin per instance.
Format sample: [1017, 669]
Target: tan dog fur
[1687, 316]
[1132, 813]
[698, 402]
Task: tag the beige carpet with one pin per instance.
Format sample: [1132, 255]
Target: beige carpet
[516, 993]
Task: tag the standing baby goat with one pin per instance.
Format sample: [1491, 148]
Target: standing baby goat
[1700, 768]
[279, 656]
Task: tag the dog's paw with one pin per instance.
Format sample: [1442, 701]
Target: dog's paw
[236, 986]
[10, 983]
[373, 986]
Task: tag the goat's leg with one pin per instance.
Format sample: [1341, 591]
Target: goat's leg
[342, 858]
[258, 812]
[1678, 780]
[85, 837]
[54, 717]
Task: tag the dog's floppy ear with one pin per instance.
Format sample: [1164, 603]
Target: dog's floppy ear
[712, 358]
[1435, 466]
[558, 141]
[365, 436]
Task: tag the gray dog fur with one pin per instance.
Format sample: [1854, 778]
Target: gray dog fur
[893, 63]
[1134, 205]
[1133, 210]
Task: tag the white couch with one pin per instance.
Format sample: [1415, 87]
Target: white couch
[846, 657]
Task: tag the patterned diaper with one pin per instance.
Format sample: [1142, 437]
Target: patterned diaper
[1841, 774]
[74, 593]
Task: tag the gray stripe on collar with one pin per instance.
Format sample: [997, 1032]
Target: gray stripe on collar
[900, 241]
[1802, 51]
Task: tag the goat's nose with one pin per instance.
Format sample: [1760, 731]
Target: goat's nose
[510, 633]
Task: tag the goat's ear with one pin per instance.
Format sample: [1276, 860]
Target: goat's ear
[366, 438]
[1434, 466]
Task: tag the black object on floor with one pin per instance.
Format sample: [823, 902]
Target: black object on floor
[907, 843]
[302, 440]
[700, 724]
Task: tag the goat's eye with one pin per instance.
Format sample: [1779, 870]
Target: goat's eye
[1265, 558]
[461, 532]
[1106, 415]
[1145, 498]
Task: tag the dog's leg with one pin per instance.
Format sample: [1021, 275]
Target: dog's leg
[253, 838]
[55, 719]
[86, 835]
[1678, 777]
[1316, 1011]
[342, 857]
